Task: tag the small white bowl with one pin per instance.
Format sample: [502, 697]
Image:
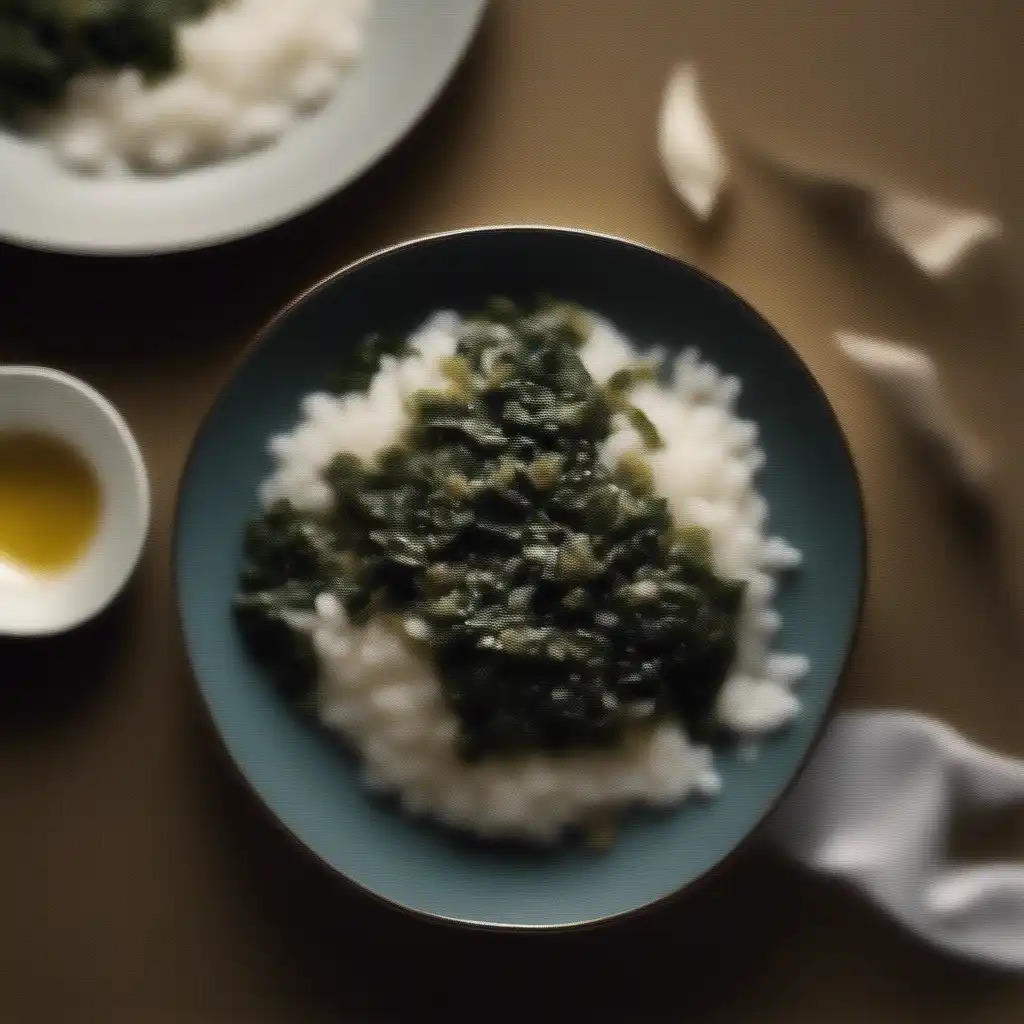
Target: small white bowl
[38, 399]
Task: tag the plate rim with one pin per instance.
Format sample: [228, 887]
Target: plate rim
[289, 212]
[263, 334]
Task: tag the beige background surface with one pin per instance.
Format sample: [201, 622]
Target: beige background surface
[140, 883]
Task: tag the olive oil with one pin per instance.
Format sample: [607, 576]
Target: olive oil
[50, 502]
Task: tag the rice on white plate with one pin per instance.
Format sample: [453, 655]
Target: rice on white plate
[249, 70]
[377, 688]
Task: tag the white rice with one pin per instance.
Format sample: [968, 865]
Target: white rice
[379, 691]
[250, 69]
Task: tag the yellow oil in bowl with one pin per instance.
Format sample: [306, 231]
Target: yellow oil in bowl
[50, 502]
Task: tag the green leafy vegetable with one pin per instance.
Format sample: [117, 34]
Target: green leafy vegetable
[558, 598]
[45, 43]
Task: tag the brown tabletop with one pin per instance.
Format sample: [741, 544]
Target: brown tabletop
[139, 882]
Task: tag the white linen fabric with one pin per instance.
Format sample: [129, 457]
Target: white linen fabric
[874, 808]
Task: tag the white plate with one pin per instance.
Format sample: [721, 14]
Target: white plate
[412, 48]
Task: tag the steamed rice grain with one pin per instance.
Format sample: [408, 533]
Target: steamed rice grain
[249, 70]
[379, 690]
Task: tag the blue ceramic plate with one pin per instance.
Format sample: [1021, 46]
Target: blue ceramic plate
[305, 780]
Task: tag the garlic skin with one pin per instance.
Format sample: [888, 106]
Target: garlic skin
[935, 237]
[910, 380]
[690, 153]
[874, 808]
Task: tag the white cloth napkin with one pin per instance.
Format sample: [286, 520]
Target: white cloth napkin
[874, 808]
